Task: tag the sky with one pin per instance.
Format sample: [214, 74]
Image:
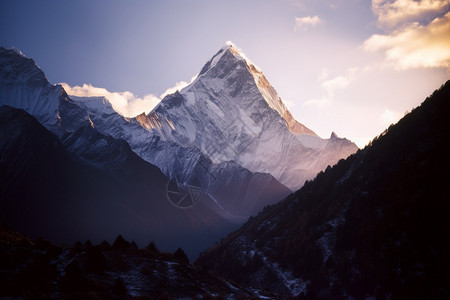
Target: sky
[348, 66]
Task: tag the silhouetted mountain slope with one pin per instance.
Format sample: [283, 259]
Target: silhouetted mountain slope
[374, 225]
[34, 167]
[91, 186]
[36, 269]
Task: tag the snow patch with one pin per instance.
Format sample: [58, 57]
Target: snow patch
[296, 286]
[328, 241]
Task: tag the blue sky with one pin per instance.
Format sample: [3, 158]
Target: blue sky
[349, 66]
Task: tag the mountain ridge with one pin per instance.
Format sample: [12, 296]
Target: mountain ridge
[24, 85]
[272, 98]
[91, 186]
[267, 91]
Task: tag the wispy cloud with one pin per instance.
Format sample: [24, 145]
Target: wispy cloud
[415, 45]
[391, 13]
[126, 103]
[297, 4]
[330, 86]
[361, 142]
[338, 82]
[178, 87]
[319, 103]
[323, 75]
[389, 117]
[306, 22]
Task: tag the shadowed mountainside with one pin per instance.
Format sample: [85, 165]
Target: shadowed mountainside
[37, 269]
[374, 225]
[91, 186]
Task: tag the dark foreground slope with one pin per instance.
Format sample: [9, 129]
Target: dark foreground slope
[91, 186]
[374, 225]
[36, 269]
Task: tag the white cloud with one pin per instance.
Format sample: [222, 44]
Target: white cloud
[126, 103]
[323, 75]
[305, 22]
[361, 142]
[389, 117]
[178, 87]
[415, 45]
[330, 86]
[393, 12]
[298, 4]
[338, 82]
[321, 103]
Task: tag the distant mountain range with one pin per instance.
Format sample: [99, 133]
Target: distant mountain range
[227, 134]
[374, 226]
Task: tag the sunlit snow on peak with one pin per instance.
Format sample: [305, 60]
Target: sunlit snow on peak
[240, 54]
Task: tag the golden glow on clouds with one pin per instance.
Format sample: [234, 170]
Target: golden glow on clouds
[305, 22]
[415, 45]
[393, 12]
[126, 103]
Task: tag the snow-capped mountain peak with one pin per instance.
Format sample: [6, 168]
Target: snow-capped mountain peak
[230, 59]
[274, 100]
[24, 85]
[15, 68]
[232, 113]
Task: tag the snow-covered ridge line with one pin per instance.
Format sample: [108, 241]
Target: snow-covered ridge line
[230, 112]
